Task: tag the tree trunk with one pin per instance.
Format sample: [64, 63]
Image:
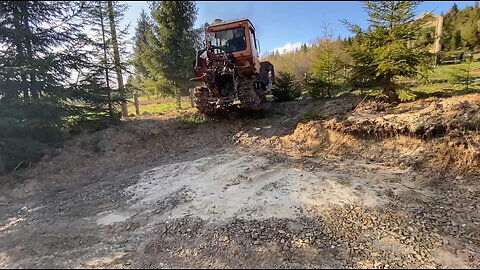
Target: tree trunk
[135, 100]
[116, 56]
[110, 110]
[389, 90]
[20, 57]
[191, 90]
[179, 100]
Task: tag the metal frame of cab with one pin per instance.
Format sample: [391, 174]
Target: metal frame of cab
[248, 57]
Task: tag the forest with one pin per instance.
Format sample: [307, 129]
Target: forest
[64, 68]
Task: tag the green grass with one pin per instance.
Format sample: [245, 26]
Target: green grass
[192, 120]
[443, 72]
[441, 83]
[168, 104]
[313, 115]
[146, 98]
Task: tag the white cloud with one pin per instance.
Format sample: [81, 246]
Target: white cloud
[289, 47]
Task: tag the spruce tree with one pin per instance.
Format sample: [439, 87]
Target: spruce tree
[43, 44]
[172, 45]
[141, 74]
[286, 88]
[327, 68]
[387, 49]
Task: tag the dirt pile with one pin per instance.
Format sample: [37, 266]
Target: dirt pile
[426, 118]
[436, 134]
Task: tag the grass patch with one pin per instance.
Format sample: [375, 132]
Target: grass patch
[443, 72]
[313, 115]
[165, 106]
[440, 82]
[146, 98]
[192, 121]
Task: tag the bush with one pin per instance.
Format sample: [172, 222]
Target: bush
[286, 87]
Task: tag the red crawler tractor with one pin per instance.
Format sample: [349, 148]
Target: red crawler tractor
[230, 69]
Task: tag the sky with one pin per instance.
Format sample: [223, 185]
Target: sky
[287, 24]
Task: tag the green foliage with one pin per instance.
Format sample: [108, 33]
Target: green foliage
[456, 41]
[165, 47]
[461, 28]
[27, 129]
[426, 36]
[313, 115]
[387, 49]
[192, 121]
[327, 71]
[316, 87]
[286, 88]
[406, 95]
[43, 44]
[166, 105]
[464, 76]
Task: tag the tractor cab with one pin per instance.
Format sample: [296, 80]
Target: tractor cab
[230, 39]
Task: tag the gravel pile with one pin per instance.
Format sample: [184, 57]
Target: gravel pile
[338, 236]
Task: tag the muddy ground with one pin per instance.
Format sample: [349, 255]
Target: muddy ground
[342, 183]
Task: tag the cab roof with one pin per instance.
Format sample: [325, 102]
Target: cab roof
[231, 21]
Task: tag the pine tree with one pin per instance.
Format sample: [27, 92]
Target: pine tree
[454, 8]
[456, 41]
[42, 45]
[471, 34]
[463, 23]
[327, 68]
[142, 31]
[385, 51]
[286, 88]
[172, 42]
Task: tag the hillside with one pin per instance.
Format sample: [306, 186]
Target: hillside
[345, 182]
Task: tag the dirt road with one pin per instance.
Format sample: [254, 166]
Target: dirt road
[299, 186]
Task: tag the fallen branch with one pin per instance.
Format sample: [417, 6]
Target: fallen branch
[19, 164]
[359, 103]
[469, 144]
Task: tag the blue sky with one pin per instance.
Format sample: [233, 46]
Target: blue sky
[281, 24]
